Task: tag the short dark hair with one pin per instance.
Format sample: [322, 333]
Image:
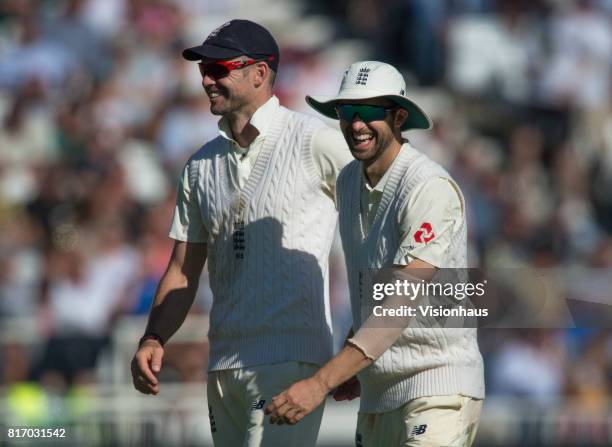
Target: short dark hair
[272, 77]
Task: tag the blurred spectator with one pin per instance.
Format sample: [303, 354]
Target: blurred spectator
[529, 365]
[494, 53]
[575, 212]
[28, 139]
[35, 57]
[146, 182]
[90, 271]
[105, 17]
[476, 169]
[526, 184]
[589, 384]
[69, 31]
[578, 70]
[21, 266]
[421, 21]
[155, 249]
[184, 127]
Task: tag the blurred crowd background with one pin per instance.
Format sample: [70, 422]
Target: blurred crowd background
[99, 112]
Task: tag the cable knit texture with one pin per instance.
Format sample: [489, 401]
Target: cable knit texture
[270, 305]
[422, 362]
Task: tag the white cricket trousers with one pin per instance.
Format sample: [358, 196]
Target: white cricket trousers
[236, 402]
[433, 421]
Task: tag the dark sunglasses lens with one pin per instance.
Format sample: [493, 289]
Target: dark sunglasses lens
[346, 112]
[213, 70]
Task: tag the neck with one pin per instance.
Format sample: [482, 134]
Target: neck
[240, 123]
[375, 169]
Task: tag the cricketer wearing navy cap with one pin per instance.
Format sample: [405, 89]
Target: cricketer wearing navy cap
[236, 38]
[257, 204]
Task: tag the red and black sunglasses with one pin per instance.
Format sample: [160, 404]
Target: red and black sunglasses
[220, 69]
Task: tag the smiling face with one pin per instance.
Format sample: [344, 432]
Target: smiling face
[369, 140]
[234, 91]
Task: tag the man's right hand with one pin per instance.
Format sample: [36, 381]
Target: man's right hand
[146, 364]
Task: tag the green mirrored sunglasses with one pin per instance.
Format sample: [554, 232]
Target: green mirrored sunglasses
[366, 112]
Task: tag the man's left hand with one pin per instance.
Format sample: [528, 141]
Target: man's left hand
[297, 401]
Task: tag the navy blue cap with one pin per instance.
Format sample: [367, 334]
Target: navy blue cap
[236, 38]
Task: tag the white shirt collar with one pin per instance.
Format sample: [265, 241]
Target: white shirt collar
[261, 119]
[380, 186]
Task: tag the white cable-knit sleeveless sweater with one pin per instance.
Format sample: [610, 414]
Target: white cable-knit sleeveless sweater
[422, 362]
[268, 248]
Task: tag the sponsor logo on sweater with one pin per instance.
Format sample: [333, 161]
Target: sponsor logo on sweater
[424, 234]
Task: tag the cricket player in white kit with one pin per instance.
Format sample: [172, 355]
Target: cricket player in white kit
[257, 202]
[399, 210]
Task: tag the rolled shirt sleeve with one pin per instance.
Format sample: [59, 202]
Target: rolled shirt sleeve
[429, 220]
[187, 223]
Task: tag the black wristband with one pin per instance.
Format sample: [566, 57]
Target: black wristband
[150, 336]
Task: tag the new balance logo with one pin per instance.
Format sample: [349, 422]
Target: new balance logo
[419, 429]
[258, 405]
[362, 76]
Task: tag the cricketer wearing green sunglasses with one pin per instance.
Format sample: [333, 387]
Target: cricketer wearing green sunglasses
[400, 211]
[371, 127]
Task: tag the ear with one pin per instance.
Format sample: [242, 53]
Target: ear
[400, 118]
[261, 73]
